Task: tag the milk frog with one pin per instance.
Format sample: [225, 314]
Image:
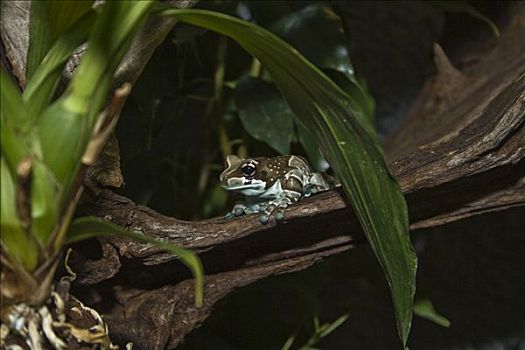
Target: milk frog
[270, 184]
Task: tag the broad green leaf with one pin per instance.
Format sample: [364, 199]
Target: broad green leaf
[424, 308]
[41, 87]
[264, 114]
[16, 242]
[15, 124]
[348, 141]
[89, 227]
[47, 21]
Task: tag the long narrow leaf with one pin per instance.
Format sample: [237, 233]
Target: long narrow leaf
[89, 227]
[425, 309]
[108, 43]
[15, 124]
[41, 87]
[48, 20]
[19, 246]
[45, 202]
[348, 140]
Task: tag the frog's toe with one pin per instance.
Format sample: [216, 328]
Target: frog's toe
[262, 206]
[238, 210]
[267, 213]
[229, 215]
[264, 218]
[279, 215]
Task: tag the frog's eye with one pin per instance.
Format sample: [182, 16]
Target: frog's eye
[248, 170]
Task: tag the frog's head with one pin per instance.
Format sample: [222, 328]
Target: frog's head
[242, 175]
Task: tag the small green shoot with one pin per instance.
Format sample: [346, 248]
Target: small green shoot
[320, 331]
[424, 309]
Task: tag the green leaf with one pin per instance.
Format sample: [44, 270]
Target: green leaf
[89, 227]
[47, 21]
[108, 42]
[316, 31]
[348, 141]
[45, 202]
[289, 342]
[311, 148]
[41, 87]
[15, 124]
[328, 328]
[391, 43]
[63, 134]
[267, 117]
[18, 245]
[320, 332]
[66, 125]
[354, 88]
[264, 114]
[424, 308]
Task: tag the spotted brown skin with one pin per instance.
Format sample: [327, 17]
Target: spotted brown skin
[270, 184]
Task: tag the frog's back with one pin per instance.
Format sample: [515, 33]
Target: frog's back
[285, 162]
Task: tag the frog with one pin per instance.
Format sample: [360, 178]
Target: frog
[270, 184]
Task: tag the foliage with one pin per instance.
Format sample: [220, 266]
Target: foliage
[270, 121]
[47, 144]
[344, 132]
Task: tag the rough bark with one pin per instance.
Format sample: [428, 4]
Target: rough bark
[459, 153]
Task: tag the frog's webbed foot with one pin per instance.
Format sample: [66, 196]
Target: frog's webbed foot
[280, 214]
[237, 210]
[241, 209]
[267, 213]
[266, 209]
[276, 207]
